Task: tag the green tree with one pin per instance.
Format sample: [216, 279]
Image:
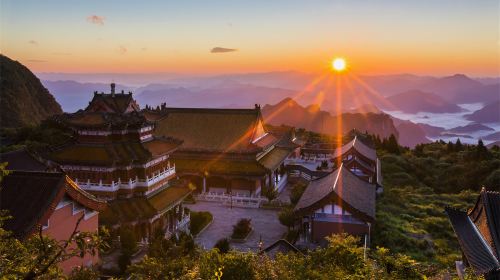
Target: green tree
[287, 217]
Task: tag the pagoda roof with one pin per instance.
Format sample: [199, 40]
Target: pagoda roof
[31, 197]
[274, 158]
[103, 120]
[486, 216]
[118, 103]
[359, 146]
[352, 191]
[23, 160]
[478, 232]
[221, 165]
[221, 130]
[474, 247]
[145, 207]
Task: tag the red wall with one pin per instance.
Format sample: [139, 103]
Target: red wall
[61, 225]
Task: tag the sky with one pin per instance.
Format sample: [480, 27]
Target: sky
[212, 37]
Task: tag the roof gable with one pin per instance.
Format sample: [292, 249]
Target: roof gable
[486, 216]
[31, 197]
[474, 247]
[342, 184]
[112, 103]
[359, 146]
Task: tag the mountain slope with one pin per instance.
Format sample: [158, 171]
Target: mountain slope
[489, 113]
[23, 99]
[289, 112]
[415, 101]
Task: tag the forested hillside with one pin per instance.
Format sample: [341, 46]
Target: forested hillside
[23, 99]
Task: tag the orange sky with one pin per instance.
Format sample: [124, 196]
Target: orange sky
[379, 37]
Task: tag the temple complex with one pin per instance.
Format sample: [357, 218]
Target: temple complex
[116, 156]
[226, 153]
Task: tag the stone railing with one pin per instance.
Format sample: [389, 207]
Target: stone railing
[130, 184]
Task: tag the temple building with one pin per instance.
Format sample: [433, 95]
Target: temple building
[50, 202]
[116, 156]
[337, 203]
[478, 233]
[358, 157]
[226, 153]
[361, 160]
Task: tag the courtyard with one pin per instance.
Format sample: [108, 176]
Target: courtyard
[265, 225]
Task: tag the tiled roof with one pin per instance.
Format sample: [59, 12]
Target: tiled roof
[118, 103]
[341, 183]
[274, 158]
[31, 197]
[224, 130]
[281, 246]
[22, 160]
[219, 166]
[140, 208]
[123, 153]
[486, 216]
[161, 146]
[474, 247]
[358, 146]
[103, 120]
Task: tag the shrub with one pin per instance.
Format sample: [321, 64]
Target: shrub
[242, 229]
[198, 221]
[128, 240]
[297, 191]
[287, 217]
[223, 245]
[270, 193]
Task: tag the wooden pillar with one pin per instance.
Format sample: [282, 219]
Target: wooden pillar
[204, 184]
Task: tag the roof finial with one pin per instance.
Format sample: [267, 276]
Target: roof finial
[113, 89]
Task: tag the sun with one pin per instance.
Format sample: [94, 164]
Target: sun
[338, 64]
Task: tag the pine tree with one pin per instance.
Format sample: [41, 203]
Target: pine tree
[458, 145]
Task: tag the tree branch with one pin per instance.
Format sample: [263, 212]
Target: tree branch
[32, 274]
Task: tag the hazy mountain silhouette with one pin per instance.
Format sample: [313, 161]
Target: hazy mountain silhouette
[461, 89]
[415, 101]
[23, 99]
[289, 112]
[489, 113]
[470, 128]
[495, 136]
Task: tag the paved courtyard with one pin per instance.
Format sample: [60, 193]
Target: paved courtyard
[265, 224]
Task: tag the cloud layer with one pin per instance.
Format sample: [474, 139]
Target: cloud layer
[222, 50]
[95, 19]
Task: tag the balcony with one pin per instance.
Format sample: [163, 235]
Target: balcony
[130, 184]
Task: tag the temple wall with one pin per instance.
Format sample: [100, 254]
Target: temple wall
[62, 223]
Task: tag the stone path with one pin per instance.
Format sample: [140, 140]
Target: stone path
[265, 224]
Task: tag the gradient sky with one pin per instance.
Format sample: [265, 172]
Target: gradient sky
[376, 37]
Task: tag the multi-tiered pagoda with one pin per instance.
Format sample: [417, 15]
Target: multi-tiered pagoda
[115, 156]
